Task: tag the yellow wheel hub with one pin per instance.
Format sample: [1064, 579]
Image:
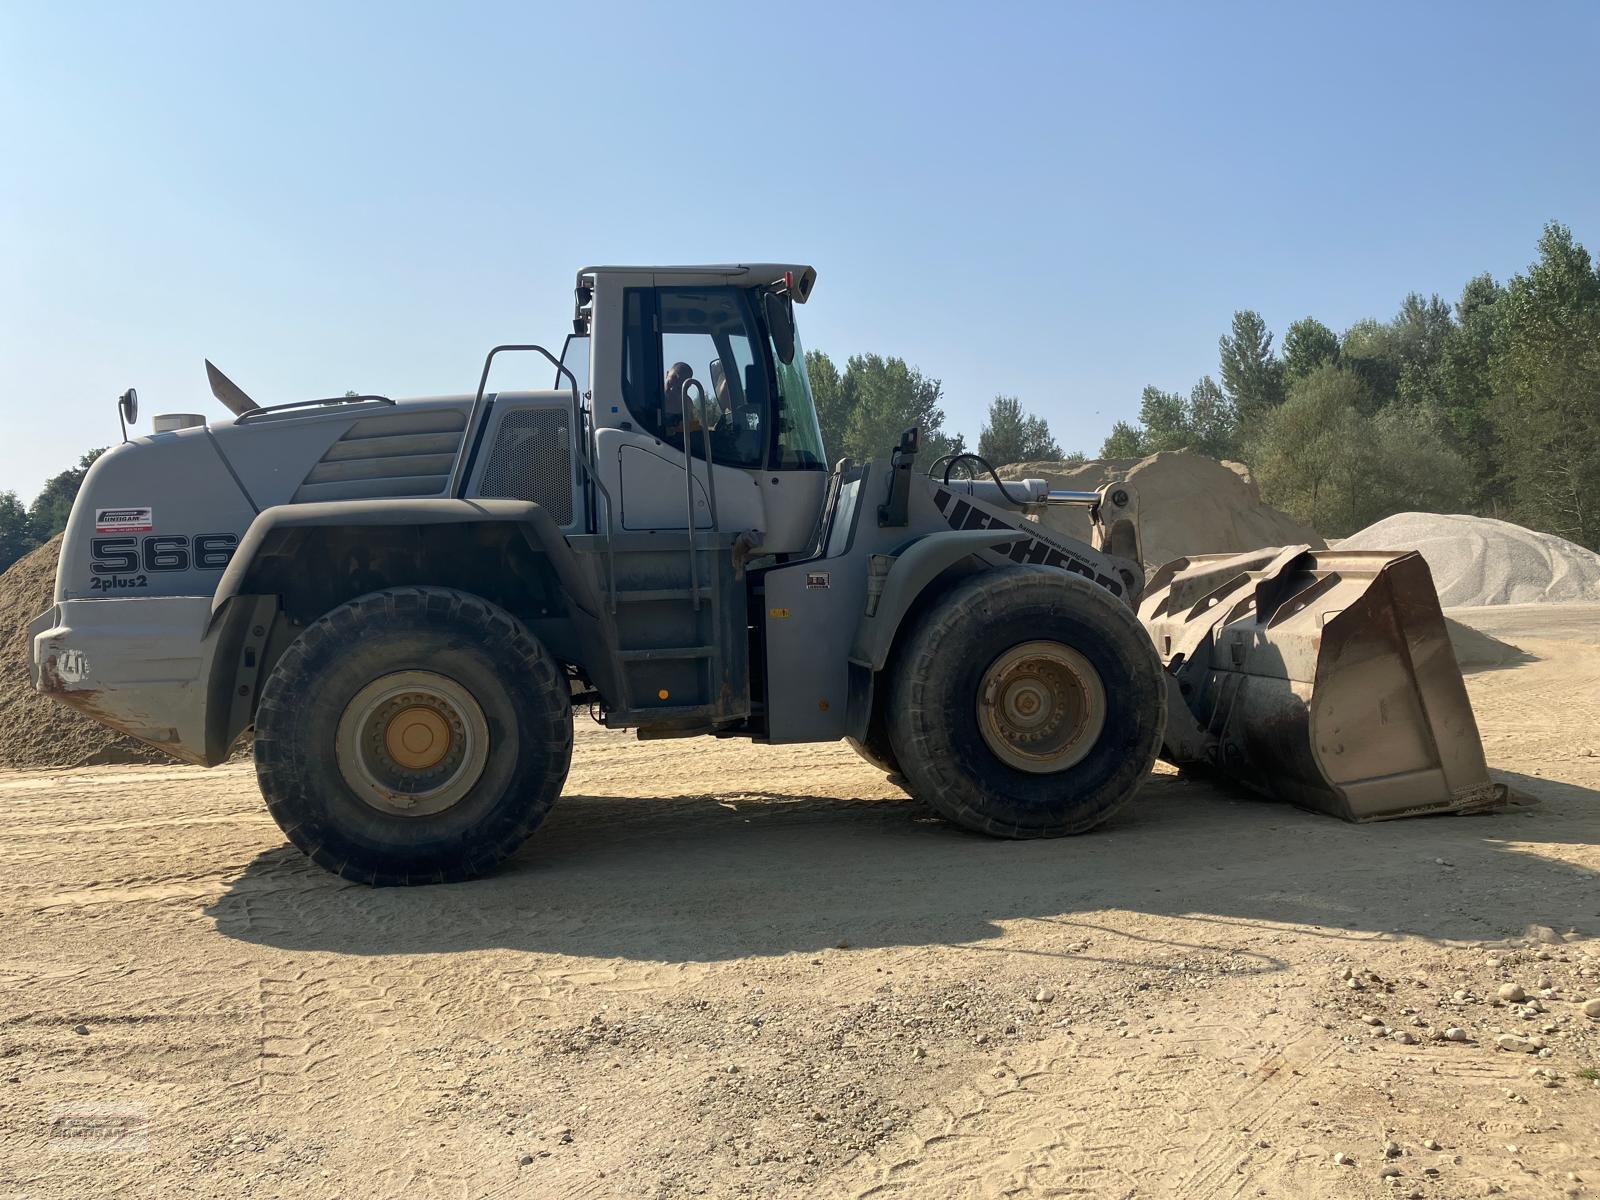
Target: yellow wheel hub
[417, 738]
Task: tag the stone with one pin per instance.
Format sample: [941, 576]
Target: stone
[1512, 993]
[1344, 1160]
[1591, 1008]
[1392, 1150]
[1456, 1034]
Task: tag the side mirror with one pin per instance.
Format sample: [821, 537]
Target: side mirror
[128, 410]
[780, 323]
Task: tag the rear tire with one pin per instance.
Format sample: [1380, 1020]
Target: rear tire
[415, 735]
[1028, 703]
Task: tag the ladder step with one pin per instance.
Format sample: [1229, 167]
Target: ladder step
[666, 653]
[647, 595]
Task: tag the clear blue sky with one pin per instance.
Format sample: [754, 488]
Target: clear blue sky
[1061, 202]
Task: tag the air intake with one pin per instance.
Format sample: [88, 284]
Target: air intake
[404, 453]
[532, 460]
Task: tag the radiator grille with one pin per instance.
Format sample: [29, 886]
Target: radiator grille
[532, 460]
[405, 453]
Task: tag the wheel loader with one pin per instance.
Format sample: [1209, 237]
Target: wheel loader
[407, 600]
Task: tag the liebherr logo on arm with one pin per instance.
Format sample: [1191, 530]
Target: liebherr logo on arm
[1033, 549]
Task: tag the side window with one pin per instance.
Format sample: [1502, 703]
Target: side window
[697, 342]
[575, 358]
[641, 379]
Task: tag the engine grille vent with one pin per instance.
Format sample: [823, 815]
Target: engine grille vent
[532, 460]
[391, 454]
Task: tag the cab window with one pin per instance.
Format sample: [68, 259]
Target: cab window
[693, 360]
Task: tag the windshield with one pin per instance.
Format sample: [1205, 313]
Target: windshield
[799, 436]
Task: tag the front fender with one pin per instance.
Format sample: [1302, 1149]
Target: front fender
[910, 572]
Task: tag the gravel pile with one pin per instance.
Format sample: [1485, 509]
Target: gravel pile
[1479, 561]
[36, 731]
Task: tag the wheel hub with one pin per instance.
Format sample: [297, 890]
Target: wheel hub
[418, 738]
[412, 743]
[1041, 707]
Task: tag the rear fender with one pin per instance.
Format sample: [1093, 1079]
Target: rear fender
[278, 580]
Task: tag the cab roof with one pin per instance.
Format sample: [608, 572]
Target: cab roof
[803, 278]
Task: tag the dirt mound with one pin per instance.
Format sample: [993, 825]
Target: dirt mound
[1478, 560]
[34, 730]
[1188, 504]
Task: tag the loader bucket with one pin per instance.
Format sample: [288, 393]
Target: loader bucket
[1320, 677]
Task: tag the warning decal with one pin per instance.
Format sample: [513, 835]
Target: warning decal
[123, 520]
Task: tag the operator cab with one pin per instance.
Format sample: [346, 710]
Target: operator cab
[703, 361]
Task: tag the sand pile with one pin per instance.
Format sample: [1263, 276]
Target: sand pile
[1478, 560]
[1188, 504]
[36, 731]
[1475, 650]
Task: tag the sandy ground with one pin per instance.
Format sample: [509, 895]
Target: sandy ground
[725, 970]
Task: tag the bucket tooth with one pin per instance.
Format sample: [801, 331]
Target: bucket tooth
[1320, 677]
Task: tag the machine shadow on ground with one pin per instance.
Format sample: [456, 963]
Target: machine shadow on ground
[708, 878]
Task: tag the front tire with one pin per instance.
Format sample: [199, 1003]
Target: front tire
[1028, 703]
[414, 735]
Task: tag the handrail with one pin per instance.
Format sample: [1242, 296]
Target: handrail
[688, 476]
[458, 481]
[253, 413]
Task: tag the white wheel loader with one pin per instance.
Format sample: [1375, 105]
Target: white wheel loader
[407, 600]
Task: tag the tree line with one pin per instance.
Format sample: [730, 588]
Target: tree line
[1490, 405]
[863, 409]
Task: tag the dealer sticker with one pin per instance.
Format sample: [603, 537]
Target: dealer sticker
[123, 520]
[817, 579]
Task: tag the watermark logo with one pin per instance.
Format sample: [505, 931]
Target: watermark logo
[100, 1128]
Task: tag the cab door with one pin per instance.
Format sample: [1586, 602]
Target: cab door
[693, 379]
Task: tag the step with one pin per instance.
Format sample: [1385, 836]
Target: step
[666, 653]
[652, 595]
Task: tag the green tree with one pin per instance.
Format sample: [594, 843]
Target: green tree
[1368, 353]
[1398, 359]
[47, 515]
[1011, 435]
[1320, 458]
[1546, 390]
[1124, 441]
[1307, 344]
[886, 397]
[16, 533]
[833, 409]
[1467, 389]
[1252, 375]
[1203, 421]
[1422, 328]
[864, 408]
